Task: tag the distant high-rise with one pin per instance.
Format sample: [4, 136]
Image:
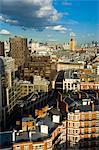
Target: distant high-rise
[19, 50]
[72, 41]
[1, 48]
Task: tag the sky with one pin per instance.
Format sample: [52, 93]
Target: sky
[50, 20]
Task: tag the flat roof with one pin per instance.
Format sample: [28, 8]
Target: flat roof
[47, 121]
[71, 63]
[27, 119]
[35, 137]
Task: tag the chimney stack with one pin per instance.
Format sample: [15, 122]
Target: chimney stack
[14, 135]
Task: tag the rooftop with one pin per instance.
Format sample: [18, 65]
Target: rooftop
[82, 100]
[27, 119]
[5, 139]
[35, 136]
[47, 121]
[72, 63]
[86, 108]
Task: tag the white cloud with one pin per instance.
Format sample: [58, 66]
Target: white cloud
[4, 32]
[71, 22]
[6, 20]
[57, 28]
[29, 13]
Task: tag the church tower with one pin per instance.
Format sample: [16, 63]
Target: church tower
[72, 41]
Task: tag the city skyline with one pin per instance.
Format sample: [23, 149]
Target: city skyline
[51, 20]
[49, 74]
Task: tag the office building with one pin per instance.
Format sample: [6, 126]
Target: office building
[9, 65]
[11, 89]
[1, 48]
[2, 96]
[19, 50]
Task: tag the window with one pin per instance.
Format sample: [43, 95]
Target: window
[97, 116]
[83, 117]
[90, 123]
[89, 130]
[97, 124]
[76, 139]
[17, 147]
[75, 84]
[40, 146]
[82, 131]
[72, 85]
[68, 85]
[26, 147]
[82, 124]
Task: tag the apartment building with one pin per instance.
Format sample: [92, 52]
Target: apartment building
[40, 65]
[71, 80]
[83, 126]
[66, 80]
[36, 145]
[69, 65]
[39, 84]
[89, 85]
[44, 137]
